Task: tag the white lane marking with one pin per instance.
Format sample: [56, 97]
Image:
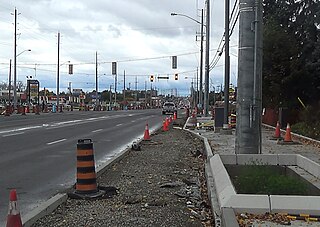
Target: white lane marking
[57, 141]
[98, 130]
[133, 121]
[118, 125]
[13, 134]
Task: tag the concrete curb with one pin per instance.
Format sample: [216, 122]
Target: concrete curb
[50, 205]
[209, 177]
[45, 208]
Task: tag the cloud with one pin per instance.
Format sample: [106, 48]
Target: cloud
[125, 31]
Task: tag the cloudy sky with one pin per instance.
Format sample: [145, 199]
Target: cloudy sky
[140, 35]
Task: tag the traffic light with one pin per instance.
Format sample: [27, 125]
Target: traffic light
[176, 76]
[70, 69]
[151, 78]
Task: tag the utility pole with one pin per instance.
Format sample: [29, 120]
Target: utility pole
[207, 69]
[227, 66]
[58, 73]
[115, 89]
[10, 83]
[201, 64]
[145, 94]
[97, 99]
[124, 87]
[110, 100]
[249, 97]
[15, 62]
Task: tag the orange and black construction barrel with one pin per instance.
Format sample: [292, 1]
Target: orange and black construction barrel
[86, 173]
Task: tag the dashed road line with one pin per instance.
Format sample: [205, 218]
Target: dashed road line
[13, 134]
[98, 130]
[57, 141]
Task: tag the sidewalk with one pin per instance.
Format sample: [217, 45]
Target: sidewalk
[225, 144]
[163, 184]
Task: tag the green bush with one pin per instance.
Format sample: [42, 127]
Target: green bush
[310, 123]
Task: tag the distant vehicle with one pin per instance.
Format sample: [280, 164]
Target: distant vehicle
[169, 108]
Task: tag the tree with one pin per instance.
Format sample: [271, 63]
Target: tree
[291, 52]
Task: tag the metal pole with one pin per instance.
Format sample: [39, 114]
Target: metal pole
[257, 87]
[124, 87]
[115, 89]
[207, 70]
[15, 62]
[10, 83]
[227, 66]
[110, 100]
[58, 73]
[145, 94]
[97, 100]
[249, 78]
[201, 64]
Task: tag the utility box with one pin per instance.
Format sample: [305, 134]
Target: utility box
[218, 118]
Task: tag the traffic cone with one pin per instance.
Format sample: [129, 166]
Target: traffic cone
[164, 126]
[277, 133]
[287, 137]
[13, 218]
[167, 123]
[175, 116]
[146, 133]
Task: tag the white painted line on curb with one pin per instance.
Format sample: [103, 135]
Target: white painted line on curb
[58, 141]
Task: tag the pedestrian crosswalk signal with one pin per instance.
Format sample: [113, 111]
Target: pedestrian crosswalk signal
[176, 76]
[151, 78]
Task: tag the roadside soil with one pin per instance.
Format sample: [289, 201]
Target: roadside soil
[163, 184]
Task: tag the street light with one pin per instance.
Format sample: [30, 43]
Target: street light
[58, 82]
[200, 101]
[15, 78]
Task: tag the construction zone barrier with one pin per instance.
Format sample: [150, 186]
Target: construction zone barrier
[86, 185]
[232, 121]
[175, 116]
[23, 111]
[8, 111]
[37, 110]
[86, 173]
[13, 218]
[146, 133]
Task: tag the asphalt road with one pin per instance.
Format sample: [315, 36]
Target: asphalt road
[38, 152]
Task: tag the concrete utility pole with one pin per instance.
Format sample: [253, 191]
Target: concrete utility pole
[124, 86]
[115, 88]
[207, 69]
[9, 83]
[227, 66]
[248, 132]
[58, 73]
[201, 64]
[15, 62]
[97, 99]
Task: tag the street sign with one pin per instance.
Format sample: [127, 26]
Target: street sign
[163, 77]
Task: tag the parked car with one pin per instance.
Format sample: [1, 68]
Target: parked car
[169, 108]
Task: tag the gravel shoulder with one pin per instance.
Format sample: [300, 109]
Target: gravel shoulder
[163, 184]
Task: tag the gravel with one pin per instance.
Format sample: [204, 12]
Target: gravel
[163, 184]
